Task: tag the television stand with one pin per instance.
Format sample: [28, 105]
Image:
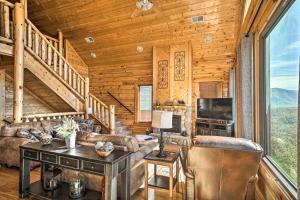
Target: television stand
[217, 127]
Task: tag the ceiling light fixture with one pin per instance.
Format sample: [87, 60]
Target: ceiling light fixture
[93, 55]
[144, 5]
[89, 40]
[208, 39]
[139, 49]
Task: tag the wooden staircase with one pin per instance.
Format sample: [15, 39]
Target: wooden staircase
[39, 54]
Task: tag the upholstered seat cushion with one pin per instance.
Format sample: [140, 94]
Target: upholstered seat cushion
[13, 143]
[11, 130]
[9, 148]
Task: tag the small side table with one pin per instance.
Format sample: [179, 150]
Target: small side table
[159, 181]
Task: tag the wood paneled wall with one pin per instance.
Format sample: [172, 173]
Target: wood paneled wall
[121, 80]
[75, 60]
[31, 104]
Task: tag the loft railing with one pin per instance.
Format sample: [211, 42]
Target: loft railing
[54, 42]
[6, 22]
[122, 104]
[49, 116]
[40, 47]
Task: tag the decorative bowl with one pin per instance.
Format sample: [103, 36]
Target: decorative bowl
[103, 149]
[46, 139]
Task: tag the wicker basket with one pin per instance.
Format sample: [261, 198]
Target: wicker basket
[103, 153]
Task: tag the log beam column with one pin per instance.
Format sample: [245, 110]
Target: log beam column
[2, 96]
[19, 23]
[86, 96]
[112, 120]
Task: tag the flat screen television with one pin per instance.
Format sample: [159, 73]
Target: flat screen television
[214, 108]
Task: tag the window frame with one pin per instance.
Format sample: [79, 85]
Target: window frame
[265, 135]
[138, 119]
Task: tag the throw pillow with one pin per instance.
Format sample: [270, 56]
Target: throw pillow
[25, 133]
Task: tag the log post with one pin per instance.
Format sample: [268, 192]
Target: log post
[112, 122]
[60, 42]
[19, 16]
[2, 96]
[86, 96]
[24, 2]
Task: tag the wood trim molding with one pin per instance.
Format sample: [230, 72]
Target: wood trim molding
[269, 186]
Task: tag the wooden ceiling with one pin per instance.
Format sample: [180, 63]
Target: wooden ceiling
[117, 34]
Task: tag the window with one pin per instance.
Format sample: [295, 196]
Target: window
[281, 60]
[145, 103]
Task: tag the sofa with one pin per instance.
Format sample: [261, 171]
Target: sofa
[10, 142]
[221, 168]
[9, 150]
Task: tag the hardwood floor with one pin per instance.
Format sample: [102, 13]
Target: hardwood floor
[9, 180]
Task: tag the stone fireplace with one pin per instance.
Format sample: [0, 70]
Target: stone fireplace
[176, 125]
[182, 119]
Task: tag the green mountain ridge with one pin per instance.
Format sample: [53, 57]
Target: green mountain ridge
[284, 98]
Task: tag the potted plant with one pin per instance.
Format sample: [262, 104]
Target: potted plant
[68, 131]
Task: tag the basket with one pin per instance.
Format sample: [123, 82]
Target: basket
[103, 153]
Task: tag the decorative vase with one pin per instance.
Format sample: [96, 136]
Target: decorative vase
[70, 141]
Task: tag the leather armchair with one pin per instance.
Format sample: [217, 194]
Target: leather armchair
[221, 168]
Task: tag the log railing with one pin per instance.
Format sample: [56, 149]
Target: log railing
[49, 52]
[103, 113]
[6, 22]
[49, 116]
[40, 47]
[54, 42]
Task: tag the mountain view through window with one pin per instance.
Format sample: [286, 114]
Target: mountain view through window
[282, 62]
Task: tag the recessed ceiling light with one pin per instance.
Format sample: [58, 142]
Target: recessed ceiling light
[208, 39]
[93, 55]
[139, 49]
[89, 40]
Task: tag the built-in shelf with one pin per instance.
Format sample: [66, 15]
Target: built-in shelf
[162, 182]
[62, 192]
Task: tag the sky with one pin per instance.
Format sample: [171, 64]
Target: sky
[285, 50]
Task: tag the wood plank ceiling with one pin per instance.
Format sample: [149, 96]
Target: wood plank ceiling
[116, 34]
[119, 68]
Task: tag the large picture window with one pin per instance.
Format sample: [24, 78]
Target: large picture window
[281, 60]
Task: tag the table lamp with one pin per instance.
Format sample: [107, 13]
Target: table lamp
[162, 120]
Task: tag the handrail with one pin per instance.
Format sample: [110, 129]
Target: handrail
[6, 29]
[40, 46]
[99, 110]
[7, 3]
[48, 116]
[51, 38]
[43, 37]
[115, 98]
[93, 96]
[5, 120]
